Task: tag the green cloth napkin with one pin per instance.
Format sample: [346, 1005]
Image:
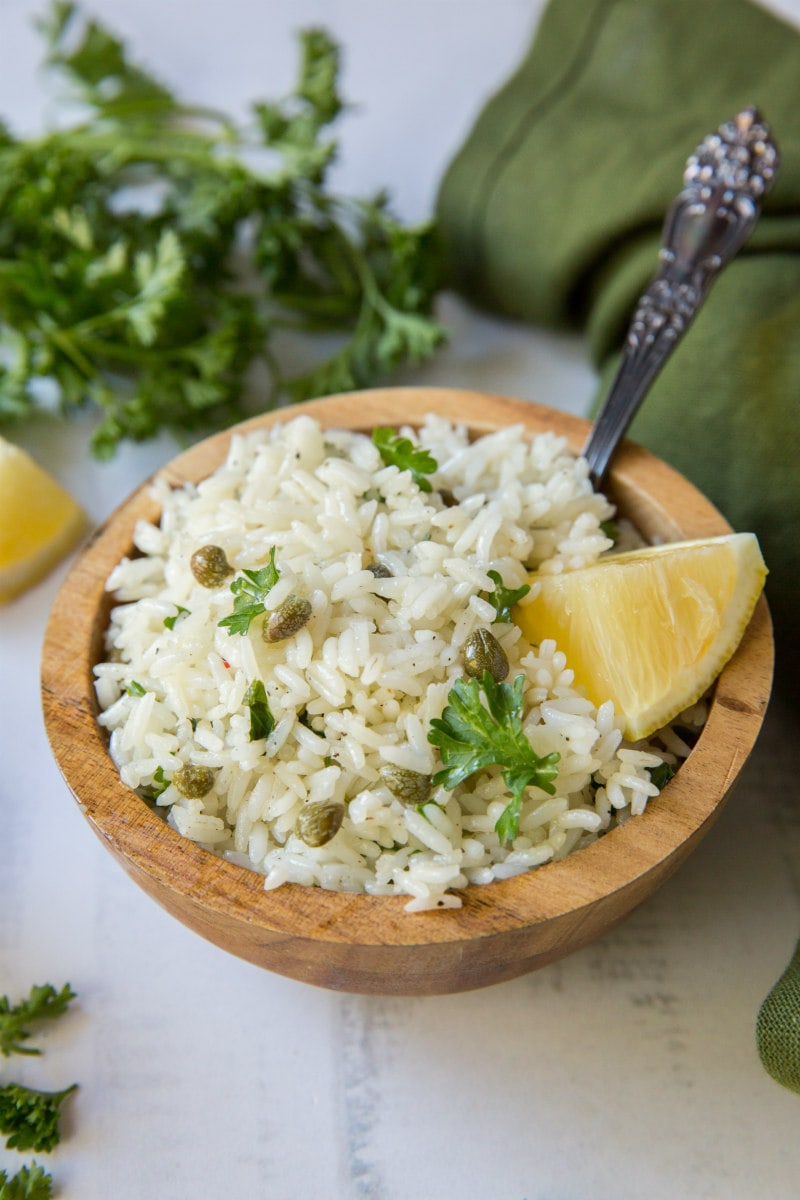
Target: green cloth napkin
[552, 213]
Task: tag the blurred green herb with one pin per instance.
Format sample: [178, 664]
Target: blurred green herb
[151, 250]
[472, 735]
[29, 1183]
[250, 591]
[401, 452]
[29, 1117]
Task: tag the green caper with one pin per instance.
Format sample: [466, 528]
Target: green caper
[412, 787]
[210, 566]
[193, 782]
[319, 822]
[287, 618]
[482, 652]
[379, 570]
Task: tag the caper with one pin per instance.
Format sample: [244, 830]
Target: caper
[379, 570]
[210, 566]
[412, 787]
[482, 652]
[193, 782]
[287, 618]
[319, 822]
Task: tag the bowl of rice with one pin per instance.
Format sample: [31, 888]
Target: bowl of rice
[244, 673]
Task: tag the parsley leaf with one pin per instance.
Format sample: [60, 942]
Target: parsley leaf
[29, 1118]
[401, 452]
[29, 1183]
[44, 1003]
[153, 250]
[661, 774]
[180, 611]
[262, 721]
[250, 591]
[471, 736]
[504, 598]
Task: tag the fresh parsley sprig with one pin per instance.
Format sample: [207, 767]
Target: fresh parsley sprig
[43, 1003]
[400, 452]
[504, 598]
[29, 1183]
[29, 1118]
[472, 735]
[250, 590]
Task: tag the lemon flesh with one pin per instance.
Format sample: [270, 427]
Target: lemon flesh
[652, 628]
[39, 521]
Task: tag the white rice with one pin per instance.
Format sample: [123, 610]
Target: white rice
[356, 688]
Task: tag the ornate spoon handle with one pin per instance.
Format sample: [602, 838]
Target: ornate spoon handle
[725, 182]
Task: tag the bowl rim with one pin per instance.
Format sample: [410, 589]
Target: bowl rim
[179, 872]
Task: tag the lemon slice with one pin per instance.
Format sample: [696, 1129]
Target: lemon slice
[652, 628]
[39, 521]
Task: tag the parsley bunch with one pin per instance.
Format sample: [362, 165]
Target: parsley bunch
[151, 251]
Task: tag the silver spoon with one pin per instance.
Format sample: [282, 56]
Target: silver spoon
[725, 182]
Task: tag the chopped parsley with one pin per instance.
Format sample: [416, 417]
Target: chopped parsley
[169, 622]
[262, 721]
[400, 452]
[135, 688]
[662, 774]
[250, 590]
[504, 598]
[472, 735]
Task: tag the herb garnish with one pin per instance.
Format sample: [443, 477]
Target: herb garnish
[504, 598]
[661, 774]
[400, 452]
[29, 1183]
[180, 611]
[471, 736]
[250, 591]
[29, 1117]
[44, 1003]
[137, 309]
[262, 721]
[135, 688]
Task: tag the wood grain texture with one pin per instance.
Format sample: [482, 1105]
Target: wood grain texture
[370, 944]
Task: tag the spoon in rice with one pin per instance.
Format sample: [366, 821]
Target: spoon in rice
[724, 184]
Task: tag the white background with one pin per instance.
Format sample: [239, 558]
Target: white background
[626, 1071]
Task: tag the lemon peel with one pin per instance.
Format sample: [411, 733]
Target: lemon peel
[651, 628]
[40, 522]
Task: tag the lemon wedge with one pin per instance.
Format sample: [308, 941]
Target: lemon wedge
[39, 521]
[652, 628]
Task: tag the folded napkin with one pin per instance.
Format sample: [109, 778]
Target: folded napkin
[552, 213]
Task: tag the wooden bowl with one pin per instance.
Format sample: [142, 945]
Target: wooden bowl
[370, 944]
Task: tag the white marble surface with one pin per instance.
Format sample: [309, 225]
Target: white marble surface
[628, 1070]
